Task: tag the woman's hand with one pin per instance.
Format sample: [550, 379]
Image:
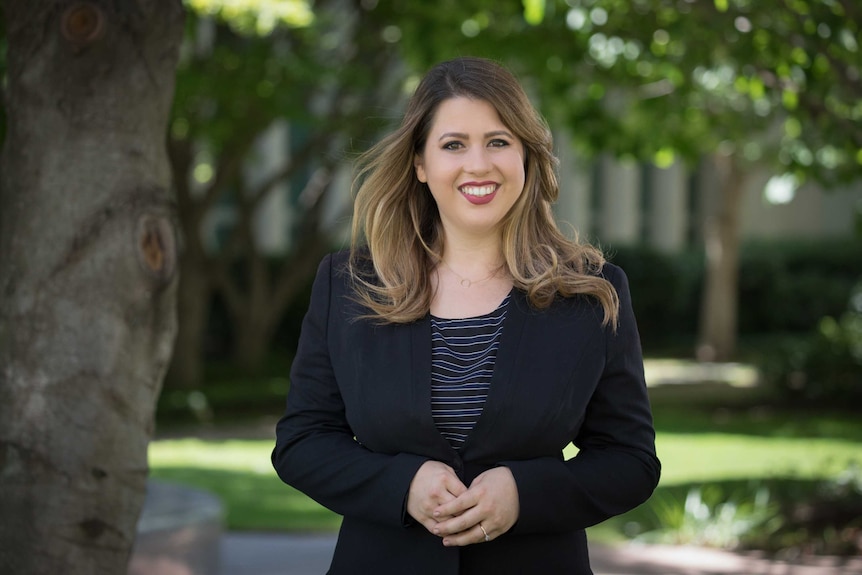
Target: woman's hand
[489, 507]
[434, 484]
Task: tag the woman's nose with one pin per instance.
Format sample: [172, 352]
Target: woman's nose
[477, 160]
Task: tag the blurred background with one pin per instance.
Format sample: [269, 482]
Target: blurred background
[712, 148]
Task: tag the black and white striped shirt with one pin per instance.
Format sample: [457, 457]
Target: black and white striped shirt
[463, 352]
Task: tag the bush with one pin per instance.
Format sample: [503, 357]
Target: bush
[784, 287]
[790, 286]
[710, 517]
[783, 517]
[665, 293]
[827, 367]
[825, 520]
[226, 398]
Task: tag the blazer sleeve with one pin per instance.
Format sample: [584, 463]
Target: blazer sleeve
[616, 468]
[315, 449]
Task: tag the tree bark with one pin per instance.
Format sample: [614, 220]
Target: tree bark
[720, 301]
[88, 267]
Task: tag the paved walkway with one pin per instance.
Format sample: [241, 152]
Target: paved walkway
[279, 554]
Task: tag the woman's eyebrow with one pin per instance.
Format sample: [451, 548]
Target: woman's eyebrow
[458, 135]
[463, 136]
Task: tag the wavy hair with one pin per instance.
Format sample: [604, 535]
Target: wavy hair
[397, 236]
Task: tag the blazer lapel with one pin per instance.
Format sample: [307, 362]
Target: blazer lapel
[502, 386]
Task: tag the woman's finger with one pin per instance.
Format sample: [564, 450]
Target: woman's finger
[479, 533]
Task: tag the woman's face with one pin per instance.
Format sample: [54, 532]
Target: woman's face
[473, 165]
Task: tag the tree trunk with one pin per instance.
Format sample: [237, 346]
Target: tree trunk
[719, 305]
[255, 321]
[195, 287]
[254, 333]
[87, 276]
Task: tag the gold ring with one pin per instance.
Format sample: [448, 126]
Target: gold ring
[485, 532]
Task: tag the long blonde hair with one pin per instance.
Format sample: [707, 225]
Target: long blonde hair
[397, 236]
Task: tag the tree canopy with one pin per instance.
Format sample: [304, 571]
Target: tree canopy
[775, 81]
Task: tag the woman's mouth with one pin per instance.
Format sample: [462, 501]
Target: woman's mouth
[479, 194]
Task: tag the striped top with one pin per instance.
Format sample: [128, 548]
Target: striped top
[463, 352]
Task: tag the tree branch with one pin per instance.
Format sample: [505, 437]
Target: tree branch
[313, 147]
[230, 161]
[312, 244]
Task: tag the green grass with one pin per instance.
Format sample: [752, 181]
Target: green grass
[696, 445]
[708, 433]
[240, 473]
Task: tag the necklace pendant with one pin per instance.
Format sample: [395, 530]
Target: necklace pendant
[465, 282]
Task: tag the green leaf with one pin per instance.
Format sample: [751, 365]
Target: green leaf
[790, 99]
[259, 17]
[664, 158]
[534, 11]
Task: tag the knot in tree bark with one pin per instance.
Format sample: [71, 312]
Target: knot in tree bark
[157, 247]
[83, 23]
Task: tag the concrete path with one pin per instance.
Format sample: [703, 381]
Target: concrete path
[280, 554]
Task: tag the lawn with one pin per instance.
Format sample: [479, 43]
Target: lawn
[697, 445]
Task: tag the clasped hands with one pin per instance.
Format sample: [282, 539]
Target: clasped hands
[459, 514]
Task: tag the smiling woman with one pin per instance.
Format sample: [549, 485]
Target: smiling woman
[471, 159]
[447, 360]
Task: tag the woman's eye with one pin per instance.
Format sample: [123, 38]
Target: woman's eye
[452, 145]
[498, 143]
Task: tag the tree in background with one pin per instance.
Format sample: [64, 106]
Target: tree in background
[320, 72]
[730, 85]
[87, 272]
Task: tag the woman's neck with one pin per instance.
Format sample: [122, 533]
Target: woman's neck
[471, 280]
[473, 257]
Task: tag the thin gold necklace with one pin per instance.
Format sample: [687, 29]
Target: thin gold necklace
[467, 282]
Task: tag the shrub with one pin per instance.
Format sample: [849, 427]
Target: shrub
[784, 287]
[665, 292]
[789, 286]
[827, 367]
[825, 520]
[783, 517]
[709, 517]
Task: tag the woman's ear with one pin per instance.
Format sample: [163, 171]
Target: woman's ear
[420, 169]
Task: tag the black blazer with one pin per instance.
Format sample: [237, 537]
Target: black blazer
[358, 426]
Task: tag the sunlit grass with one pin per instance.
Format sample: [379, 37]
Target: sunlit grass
[690, 458]
[239, 471]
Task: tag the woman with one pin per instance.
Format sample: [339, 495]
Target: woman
[462, 343]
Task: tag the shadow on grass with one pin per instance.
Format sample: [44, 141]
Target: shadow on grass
[704, 409]
[757, 421]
